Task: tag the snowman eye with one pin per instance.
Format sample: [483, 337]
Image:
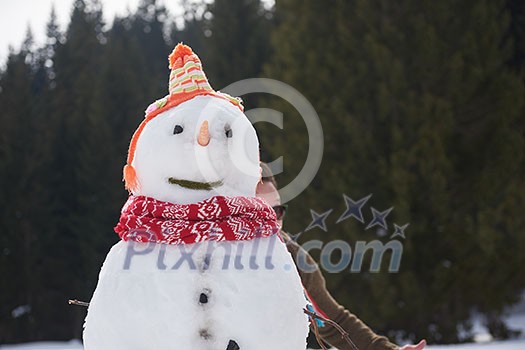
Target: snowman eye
[228, 132]
[178, 129]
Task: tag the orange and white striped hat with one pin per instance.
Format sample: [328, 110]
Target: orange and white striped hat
[187, 80]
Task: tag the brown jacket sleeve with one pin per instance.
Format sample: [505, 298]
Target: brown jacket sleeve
[314, 283]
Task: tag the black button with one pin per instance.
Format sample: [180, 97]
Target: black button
[203, 298]
[177, 130]
[204, 334]
[232, 345]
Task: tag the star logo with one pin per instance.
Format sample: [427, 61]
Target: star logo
[399, 231]
[318, 220]
[379, 218]
[354, 208]
[295, 237]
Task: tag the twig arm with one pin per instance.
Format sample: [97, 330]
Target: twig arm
[344, 334]
[77, 302]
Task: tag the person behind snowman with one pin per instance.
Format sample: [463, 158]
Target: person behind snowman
[315, 287]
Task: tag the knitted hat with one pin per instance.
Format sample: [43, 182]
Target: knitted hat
[187, 80]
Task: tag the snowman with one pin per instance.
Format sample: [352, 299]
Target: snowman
[200, 264]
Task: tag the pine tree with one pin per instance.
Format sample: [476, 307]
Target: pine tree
[236, 41]
[417, 107]
[16, 239]
[77, 66]
[516, 34]
[25, 200]
[193, 28]
[148, 29]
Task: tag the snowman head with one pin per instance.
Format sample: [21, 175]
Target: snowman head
[195, 143]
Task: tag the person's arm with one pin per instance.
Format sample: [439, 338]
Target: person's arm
[314, 283]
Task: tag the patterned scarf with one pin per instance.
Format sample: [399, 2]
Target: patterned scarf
[145, 219]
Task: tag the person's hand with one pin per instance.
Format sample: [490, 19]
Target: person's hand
[419, 346]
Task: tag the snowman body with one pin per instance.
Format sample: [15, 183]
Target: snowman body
[201, 296]
[210, 295]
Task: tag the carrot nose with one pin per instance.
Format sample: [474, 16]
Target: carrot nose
[204, 134]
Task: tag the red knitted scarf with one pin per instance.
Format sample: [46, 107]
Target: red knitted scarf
[144, 219]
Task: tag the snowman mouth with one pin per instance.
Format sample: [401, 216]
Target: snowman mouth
[194, 185]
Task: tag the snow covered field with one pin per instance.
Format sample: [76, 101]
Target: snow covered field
[72, 345]
[518, 344]
[75, 345]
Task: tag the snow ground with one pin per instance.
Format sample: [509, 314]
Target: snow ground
[518, 344]
[72, 345]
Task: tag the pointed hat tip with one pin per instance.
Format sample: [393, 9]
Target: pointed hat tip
[179, 51]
